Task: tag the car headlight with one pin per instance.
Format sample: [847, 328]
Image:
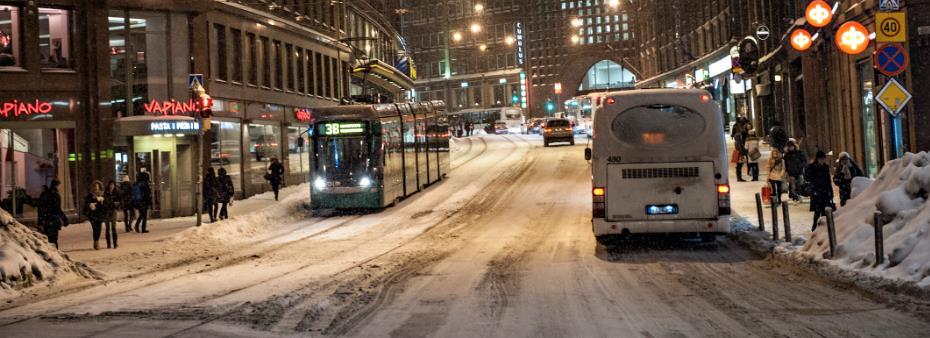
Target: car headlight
[319, 183]
[364, 182]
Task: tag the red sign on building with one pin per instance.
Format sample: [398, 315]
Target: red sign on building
[303, 115]
[23, 108]
[171, 107]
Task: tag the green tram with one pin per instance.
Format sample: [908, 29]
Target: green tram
[371, 156]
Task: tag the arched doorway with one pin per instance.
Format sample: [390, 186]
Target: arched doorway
[606, 75]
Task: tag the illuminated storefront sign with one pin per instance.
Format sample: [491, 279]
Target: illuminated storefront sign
[521, 57]
[852, 38]
[171, 107]
[801, 40]
[818, 13]
[18, 108]
[523, 88]
[303, 115]
[171, 127]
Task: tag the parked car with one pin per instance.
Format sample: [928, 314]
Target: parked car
[558, 130]
[500, 127]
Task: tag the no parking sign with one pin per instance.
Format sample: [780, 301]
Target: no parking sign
[891, 59]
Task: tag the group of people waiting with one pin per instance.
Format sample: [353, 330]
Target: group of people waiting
[790, 171]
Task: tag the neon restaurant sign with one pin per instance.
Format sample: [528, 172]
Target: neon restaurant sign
[303, 115]
[171, 107]
[17, 108]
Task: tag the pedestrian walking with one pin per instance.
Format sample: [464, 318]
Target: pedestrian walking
[469, 128]
[142, 201]
[740, 134]
[95, 211]
[275, 176]
[753, 154]
[778, 137]
[111, 204]
[777, 173]
[846, 170]
[50, 216]
[817, 175]
[795, 161]
[227, 192]
[210, 194]
[125, 202]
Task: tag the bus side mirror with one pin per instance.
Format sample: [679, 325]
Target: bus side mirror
[587, 154]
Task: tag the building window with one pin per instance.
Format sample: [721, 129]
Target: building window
[219, 31]
[301, 76]
[318, 62]
[54, 37]
[236, 37]
[36, 156]
[298, 153]
[253, 59]
[226, 149]
[311, 74]
[278, 66]
[264, 146]
[289, 56]
[329, 77]
[10, 35]
[334, 69]
[266, 62]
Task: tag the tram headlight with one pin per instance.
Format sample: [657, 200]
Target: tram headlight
[364, 182]
[319, 183]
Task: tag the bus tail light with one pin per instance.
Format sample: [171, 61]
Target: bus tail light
[597, 191]
[723, 199]
[598, 195]
[611, 101]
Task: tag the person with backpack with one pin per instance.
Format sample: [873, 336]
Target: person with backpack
[95, 210]
[777, 173]
[227, 192]
[142, 200]
[753, 154]
[125, 202]
[50, 216]
[275, 176]
[209, 186]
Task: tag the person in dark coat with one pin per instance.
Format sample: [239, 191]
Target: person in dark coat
[817, 175]
[111, 204]
[125, 202]
[226, 192]
[142, 200]
[210, 194]
[779, 137]
[846, 170]
[275, 176]
[740, 134]
[50, 216]
[795, 161]
[95, 210]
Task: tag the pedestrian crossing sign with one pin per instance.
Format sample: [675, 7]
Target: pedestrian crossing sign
[893, 97]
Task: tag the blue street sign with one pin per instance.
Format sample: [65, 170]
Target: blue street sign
[891, 60]
[194, 78]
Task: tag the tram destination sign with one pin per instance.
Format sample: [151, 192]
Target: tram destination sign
[342, 128]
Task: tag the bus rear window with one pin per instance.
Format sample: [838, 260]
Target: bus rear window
[658, 125]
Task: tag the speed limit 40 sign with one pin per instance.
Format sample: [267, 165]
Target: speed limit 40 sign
[891, 27]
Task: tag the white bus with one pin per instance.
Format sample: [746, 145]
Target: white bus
[659, 165]
[583, 109]
[511, 119]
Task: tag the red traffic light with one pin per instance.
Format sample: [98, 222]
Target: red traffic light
[205, 106]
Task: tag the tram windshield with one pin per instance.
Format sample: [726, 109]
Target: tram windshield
[348, 155]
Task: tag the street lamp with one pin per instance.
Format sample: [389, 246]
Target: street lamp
[475, 28]
[613, 3]
[457, 36]
[577, 22]
[479, 8]
[483, 47]
[509, 40]
[575, 39]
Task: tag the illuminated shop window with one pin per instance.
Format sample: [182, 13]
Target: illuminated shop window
[10, 35]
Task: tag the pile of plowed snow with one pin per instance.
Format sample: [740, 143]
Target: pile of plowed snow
[900, 193]
[28, 260]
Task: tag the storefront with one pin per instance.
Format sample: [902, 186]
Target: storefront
[263, 138]
[298, 144]
[37, 145]
[164, 147]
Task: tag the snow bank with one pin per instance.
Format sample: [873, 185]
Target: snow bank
[900, 193]
[253, 217]
[28, 260]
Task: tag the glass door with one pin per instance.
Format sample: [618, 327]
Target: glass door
[869, 120]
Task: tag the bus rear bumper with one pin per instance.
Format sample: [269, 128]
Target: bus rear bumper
[602, 227]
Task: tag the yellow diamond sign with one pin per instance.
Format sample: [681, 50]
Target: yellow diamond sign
[893, 97]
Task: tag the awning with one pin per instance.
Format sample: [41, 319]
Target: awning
[383, 75]
[157, 125]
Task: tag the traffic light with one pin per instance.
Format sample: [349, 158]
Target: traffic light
[550, 106]
[205, 106]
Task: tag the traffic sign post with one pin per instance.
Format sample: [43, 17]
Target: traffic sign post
[891, 60]
[763, 33]
[893, 97]
[194, 80]
[891, 27]
[889, 5]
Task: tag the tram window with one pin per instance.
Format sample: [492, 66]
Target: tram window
[346, 153]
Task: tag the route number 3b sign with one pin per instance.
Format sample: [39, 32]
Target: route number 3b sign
[891, 27]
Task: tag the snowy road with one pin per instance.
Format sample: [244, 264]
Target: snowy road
[503, 247]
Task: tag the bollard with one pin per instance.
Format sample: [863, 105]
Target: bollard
[879, 239]
[787, 218]
[760, 211]
[774, 220]
[831, 232]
